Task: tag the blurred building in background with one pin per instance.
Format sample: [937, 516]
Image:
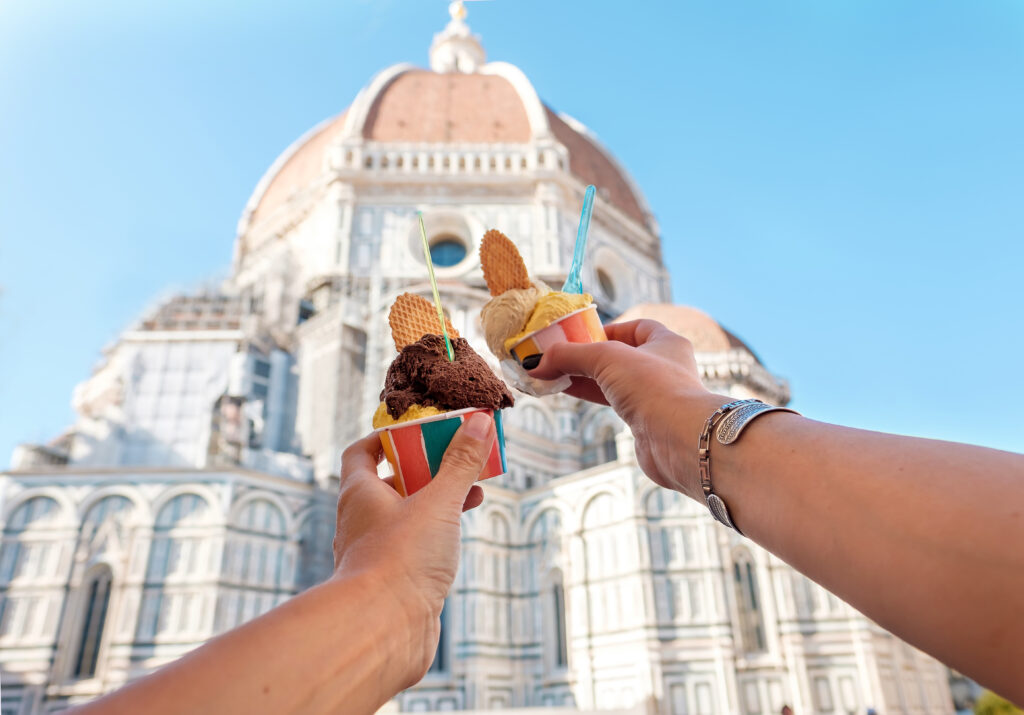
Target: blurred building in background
[197, 488]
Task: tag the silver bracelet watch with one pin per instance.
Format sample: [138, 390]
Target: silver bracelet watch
[730, 419]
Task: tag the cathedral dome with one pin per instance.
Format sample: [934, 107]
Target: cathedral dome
[425, 106]
[460, 101]
[695, 325]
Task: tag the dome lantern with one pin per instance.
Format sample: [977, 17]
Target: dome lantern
[456, 49]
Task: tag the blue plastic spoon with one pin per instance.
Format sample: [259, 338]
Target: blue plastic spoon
[572, 281]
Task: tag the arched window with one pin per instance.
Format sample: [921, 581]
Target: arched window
[498, 528]
[33, 513]
[257, 565]
[182, 510]
[665, 503]
[31, 550]
[180, 560]
[316, 558]
[94, 615]
[535, 421]
[27, 551]
[548, 526]
[255, 555]
[748, 602]
[173, 556]
[600, 540]
[440, 662]
[499, 534]
[115, 508]
[561, 650]
[599, 512]
[501, 574]
[607, 449]
[544, 546]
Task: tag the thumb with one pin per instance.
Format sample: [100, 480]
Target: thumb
[463, 460]
[579, 359]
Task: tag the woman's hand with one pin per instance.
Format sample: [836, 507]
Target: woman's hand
[648, 375]
[409, 547]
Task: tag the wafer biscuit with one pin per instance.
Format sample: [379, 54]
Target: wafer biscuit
[412, 317]
[503, 266]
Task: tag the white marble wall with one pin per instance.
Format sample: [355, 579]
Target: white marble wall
[191, 554]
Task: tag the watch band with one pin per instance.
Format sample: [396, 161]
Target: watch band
[730, 419]
[714, 502]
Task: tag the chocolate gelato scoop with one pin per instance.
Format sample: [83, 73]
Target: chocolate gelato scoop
[423, 375]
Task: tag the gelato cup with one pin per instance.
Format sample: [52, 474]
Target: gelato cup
[579, 326]
[415, 448]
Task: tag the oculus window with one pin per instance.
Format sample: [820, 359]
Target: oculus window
[447, 251]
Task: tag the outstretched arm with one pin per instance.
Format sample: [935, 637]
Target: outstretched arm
[924, 537]
[352, 643]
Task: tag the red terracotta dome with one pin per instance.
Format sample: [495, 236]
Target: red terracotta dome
[423, 106]
[693, 324]
[404, 105]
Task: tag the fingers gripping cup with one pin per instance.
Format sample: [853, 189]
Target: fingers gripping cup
[415, 448]
[579, 326]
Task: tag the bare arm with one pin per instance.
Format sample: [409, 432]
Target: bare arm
[352, 643]
[924, 537]
[328, 649]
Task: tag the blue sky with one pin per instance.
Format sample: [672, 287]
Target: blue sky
[840, 183]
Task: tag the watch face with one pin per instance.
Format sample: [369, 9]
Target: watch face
[719, 511]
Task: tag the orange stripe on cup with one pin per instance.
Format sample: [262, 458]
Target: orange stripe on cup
[581, 326]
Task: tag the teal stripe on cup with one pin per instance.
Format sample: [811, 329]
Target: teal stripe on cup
[501, 439]
[437, 435]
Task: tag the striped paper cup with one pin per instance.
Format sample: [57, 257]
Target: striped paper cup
[415, 448]
[579, 326]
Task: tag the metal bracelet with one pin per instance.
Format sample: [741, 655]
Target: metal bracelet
[731, 419]
[733, 424]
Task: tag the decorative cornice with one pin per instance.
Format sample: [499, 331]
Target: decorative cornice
[738, 365]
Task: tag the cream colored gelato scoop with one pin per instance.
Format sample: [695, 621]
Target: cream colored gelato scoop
[506, 315]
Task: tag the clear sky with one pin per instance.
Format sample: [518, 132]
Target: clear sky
[840, 183]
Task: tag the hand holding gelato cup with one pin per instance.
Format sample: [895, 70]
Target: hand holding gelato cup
[426, 396]
[523, 318]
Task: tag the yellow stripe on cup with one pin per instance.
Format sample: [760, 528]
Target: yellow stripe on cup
[525, 349]
[389, 453]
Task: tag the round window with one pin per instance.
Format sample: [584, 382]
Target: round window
[446, 251]
[607, 287]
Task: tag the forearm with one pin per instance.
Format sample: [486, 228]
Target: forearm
[923, 537]
[338, 647]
